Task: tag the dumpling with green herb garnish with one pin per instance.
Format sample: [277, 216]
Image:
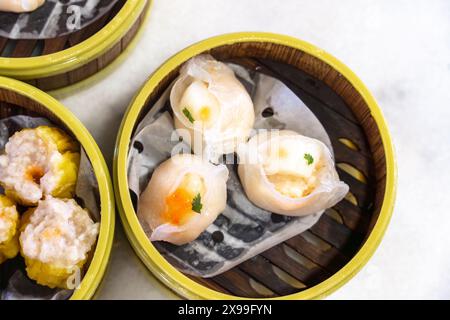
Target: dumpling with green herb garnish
[290, 174]
[184, 196]
[212, 107]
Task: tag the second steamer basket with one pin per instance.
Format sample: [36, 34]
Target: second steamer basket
[59, 62]
[20, 99]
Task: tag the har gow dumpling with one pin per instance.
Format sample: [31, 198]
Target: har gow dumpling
[290, 174]
[184, 196]
[212, 107]
[19, 6]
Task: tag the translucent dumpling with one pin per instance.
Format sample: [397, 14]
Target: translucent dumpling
[290, 174]
[20, 5]
[184, 196]
[212, 107]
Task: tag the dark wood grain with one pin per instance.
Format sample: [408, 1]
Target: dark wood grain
[308, 273]
[83, 34]
[24, 49]
[55, 45]
[3, 42]
[328, 257]
[237, 282]
[261, 269]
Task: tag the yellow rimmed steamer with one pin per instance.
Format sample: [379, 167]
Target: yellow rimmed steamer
[64, 61]
[320, 260]
[18, 98]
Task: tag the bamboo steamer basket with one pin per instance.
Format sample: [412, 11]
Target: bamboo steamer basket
[317, 262]
[18, 98]
[67, 60]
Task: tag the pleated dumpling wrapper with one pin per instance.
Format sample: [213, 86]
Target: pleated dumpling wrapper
[38, 162]
[9, 229]
[184, 196]
[213, 111]
[290, 174]
[56, 238]
[19, 6]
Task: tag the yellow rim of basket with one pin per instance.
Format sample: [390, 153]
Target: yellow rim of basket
[78, 55]
[63, 92]
[97, 267]
[142, 245]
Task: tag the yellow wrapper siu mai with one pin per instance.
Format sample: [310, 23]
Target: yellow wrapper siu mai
[290, 174]
[38, 162]
[9, 229]
[56, 238]
[184, 196]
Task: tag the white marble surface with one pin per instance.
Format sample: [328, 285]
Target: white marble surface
[400, 49]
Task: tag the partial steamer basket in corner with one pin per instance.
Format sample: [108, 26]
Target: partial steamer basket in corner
[17, 98]
[315, 263]
[59, 62]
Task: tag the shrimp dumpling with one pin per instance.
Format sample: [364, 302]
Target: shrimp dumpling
[184, 196]
[290, 174]
[213, 111]
[19, 6]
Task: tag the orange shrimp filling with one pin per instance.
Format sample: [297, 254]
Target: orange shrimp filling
[34, 173]
[51, 233]
[179, 204]
[178, 207]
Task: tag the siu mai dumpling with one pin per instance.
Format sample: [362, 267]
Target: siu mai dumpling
[39, 162]
[19, 6]
[212, 107]
[184, 196]
[290, 174]
[9, 229]
[56, 239]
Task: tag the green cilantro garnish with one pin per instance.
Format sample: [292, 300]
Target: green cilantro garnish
[197, 203]
[309, 158]
[188, 115]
